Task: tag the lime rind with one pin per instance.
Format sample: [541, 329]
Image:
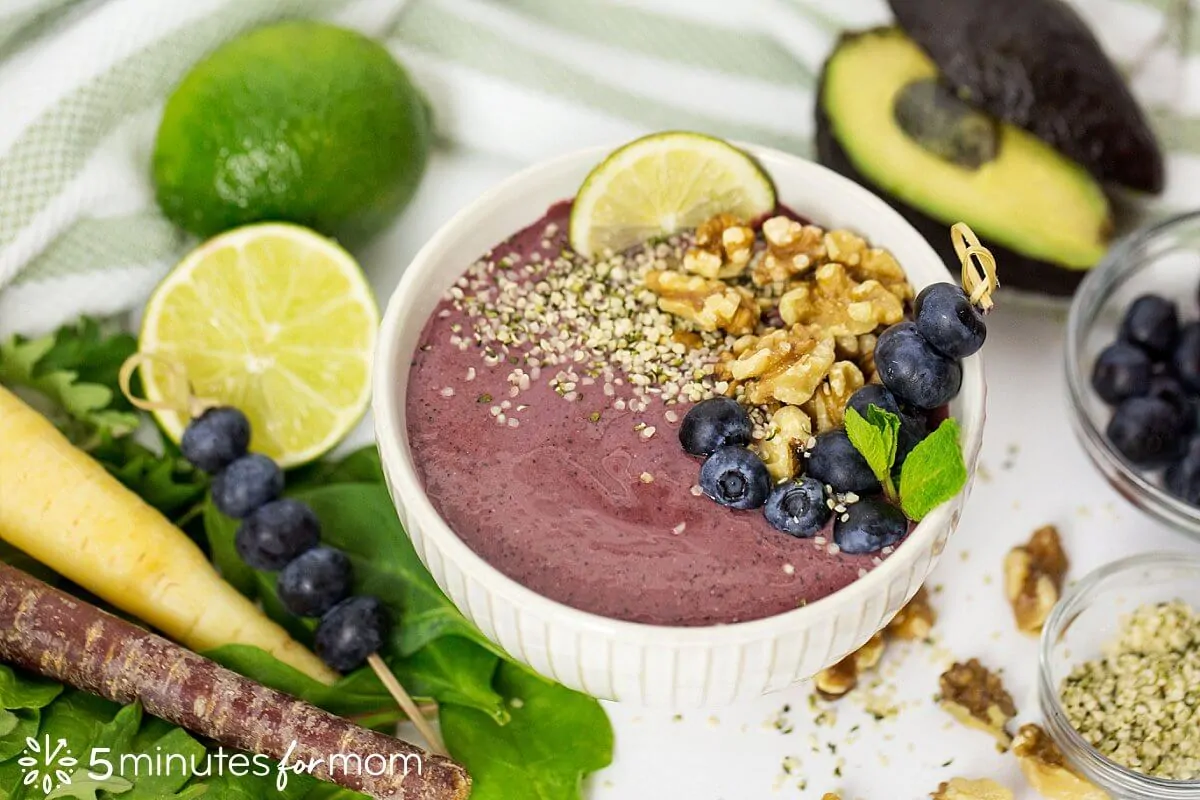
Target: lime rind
[337, 411]
[663, 183]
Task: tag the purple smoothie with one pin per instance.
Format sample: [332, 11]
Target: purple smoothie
[575, 503]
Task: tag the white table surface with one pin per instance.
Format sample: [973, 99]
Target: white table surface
[1033, 472]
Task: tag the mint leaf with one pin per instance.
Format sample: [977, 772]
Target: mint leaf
[554, 738]
[933, 473]
[875, 437]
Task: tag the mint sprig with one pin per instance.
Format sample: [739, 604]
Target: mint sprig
[934, 471]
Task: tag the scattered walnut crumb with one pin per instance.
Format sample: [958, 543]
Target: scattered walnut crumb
[975, 696]
[1047, 771]
[831, 796]
[963, 789]
[915, 621]
[1033, 578]
[842, 677]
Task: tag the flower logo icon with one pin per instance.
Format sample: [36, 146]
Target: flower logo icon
[45, 764]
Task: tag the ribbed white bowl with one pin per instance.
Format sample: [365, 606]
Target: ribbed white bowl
[635, 663]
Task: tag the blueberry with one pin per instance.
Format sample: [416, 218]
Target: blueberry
[1186, 358]
[215, 439]
[833, 460]
[735, 477]
[798, 507]
[1168, 388]
[874, 394]
[1121, 371]
[946, 318]
[716, 422]
[314, 581]
[248, 483]
[274, 534]
[1146, 430]
[1182, 478]
[913, 371]
[351, 631]
[1151, 323]
[868, 526]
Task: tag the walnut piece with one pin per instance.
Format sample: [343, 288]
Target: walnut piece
[722, 249]
[789, 431]
[831, 796]
[792, 249]
[1033, 578]
[915, 621]
[867, 263]
[828, 403]
[708, 303]
[838, 680]
[963, 789]
[974, 696]
[785, 365]
[1047, 771]
[841, 305]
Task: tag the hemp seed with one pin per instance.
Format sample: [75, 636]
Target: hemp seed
[1138, 704]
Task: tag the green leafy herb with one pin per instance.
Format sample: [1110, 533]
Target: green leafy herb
[19, 691]
[166, 481]
[75, 371]
[875, 437]
[934, 471]
[554, 739]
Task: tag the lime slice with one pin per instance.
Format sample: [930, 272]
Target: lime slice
[275, 320]
[664, 183]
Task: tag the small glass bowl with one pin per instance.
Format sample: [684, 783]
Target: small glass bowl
[1083, 623]
[1163, 259]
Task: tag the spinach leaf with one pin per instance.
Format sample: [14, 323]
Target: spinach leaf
[554, 738]
[19, 689]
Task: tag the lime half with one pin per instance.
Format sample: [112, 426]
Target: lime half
[275, 320]
[664, 183]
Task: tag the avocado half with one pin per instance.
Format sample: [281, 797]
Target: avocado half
[886, 120]
[1037, 65]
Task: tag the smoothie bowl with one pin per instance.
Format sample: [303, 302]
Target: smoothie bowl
[631, 468]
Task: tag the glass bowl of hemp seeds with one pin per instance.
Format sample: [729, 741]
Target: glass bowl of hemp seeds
[1120, 677]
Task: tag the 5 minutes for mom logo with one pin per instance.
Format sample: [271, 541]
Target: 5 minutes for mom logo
[46, 764]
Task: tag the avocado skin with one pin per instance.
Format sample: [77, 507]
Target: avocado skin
[1015, 270]
[1036, 64]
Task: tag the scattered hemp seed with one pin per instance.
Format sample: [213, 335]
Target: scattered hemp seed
[594, 416]
[484, 398]
[1138, 704]
[646, 477]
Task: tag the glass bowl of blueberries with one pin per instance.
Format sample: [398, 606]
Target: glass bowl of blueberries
[1133, 369]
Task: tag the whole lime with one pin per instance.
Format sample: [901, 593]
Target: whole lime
[302, 122]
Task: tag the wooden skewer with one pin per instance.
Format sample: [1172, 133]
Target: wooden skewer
[404, 699]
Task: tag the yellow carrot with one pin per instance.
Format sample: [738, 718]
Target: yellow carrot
[62, 508]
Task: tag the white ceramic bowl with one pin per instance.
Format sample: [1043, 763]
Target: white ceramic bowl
[612, 659]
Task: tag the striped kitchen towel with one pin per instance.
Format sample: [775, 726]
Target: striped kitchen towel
[82, 84]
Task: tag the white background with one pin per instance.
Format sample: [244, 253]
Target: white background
[1033, 472]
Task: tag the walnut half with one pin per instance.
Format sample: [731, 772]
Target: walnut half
[841, 305]
[785, 365]
[792, 249]
[723, 248]
[828, 404]
[842, 677]
[915, 621]
[1033, 578]
[709, 303]
[789, 432]
[975, 696]
[1047, 770]
[963, 789]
